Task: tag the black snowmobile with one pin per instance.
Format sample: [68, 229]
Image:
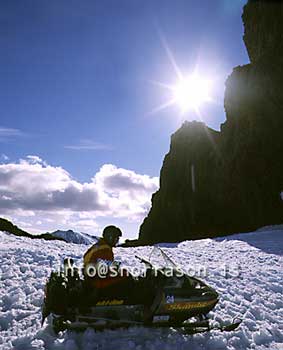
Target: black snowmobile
[164, 297]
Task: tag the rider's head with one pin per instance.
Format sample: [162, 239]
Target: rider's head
[111, 235]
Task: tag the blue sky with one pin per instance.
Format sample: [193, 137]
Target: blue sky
[76, 90]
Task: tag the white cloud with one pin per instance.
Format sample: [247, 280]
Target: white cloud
[9, 133]
[34, 160]
[128, 192]
[43, 193]
[88, 145]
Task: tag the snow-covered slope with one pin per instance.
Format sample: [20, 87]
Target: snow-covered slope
[251, 287]
[75, 237]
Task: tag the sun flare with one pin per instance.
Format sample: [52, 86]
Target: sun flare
[191, 92]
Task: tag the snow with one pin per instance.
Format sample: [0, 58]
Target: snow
[246, 269]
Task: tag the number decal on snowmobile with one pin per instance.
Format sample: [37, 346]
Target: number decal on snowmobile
[170, 299]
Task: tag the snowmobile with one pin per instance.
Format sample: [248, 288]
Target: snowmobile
[161, 299]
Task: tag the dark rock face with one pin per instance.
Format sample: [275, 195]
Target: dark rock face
[185, 193]
[214, 183]
[263, 29]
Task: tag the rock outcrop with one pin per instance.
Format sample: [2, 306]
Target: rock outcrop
[214, 183]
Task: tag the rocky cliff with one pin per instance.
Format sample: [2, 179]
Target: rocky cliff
[214, 183]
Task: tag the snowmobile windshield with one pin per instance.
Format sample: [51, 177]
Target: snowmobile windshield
[160, 259]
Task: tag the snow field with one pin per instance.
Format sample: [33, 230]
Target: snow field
[246, 269]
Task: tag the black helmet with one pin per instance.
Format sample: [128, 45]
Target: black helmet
[111, 234]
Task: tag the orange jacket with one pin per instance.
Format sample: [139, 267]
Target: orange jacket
[100, 250]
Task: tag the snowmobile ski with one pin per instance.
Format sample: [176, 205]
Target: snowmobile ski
[102, 324]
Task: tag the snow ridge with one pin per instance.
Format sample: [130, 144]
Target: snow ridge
[75, 237]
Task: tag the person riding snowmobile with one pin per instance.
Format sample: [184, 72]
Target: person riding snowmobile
[100, 254]
[123, 286]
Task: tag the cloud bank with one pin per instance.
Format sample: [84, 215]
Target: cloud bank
[49, 196]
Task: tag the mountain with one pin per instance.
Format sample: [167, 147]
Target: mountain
[7, 226]
[229, 181]
[74, 237]
[66, 236]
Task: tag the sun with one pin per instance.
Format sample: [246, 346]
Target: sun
[191, 92]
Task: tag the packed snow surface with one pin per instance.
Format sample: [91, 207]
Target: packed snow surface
[246, 270]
